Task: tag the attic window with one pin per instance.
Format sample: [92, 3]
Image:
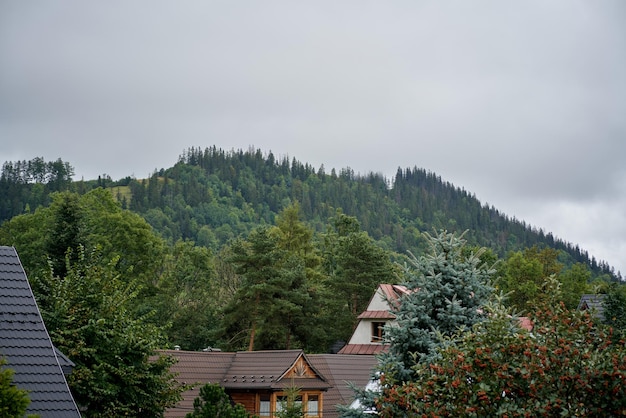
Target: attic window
[377, 331]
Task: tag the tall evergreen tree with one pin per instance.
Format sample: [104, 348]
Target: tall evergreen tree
[446, 292]
[269, 306]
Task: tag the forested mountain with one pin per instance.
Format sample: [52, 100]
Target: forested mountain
[240, 250]
[212, 196]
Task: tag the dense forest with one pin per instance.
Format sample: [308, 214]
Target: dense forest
[212, 196]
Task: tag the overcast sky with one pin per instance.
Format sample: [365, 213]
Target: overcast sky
[522, 103]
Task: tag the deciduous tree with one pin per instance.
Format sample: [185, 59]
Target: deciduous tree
[89, 317]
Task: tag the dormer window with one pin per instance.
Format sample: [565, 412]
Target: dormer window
[377, 331]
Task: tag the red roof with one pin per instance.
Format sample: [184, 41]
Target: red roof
[376, 315]
[362, 349]
[526, 323]
[393, 292]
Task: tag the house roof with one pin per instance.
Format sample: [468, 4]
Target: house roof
[26, 345]
[526, 323]
[393, 292]
[363, 349]
[270, 370]
[196, 368]
[593, 303]
[341, 371]
[376, 315]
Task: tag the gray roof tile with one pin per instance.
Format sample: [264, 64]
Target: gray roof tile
[26, 345]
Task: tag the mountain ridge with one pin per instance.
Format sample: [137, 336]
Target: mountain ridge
[211, 196]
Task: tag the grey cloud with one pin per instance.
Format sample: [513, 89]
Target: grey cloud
[521, 103]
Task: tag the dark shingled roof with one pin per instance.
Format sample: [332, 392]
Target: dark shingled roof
[26, 345]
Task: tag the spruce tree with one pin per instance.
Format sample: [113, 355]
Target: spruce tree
[446, 290]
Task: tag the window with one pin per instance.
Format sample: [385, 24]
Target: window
[264, 406]
[312, 406]
[281, 402]
[377, 331]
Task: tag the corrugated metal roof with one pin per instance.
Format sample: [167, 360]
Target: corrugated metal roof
[26, 345]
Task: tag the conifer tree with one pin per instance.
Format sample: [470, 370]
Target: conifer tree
[13, 400]
[446, 291]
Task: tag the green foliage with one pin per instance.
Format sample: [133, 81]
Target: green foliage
[274, 307]
[211, 196]
[213, 402]
[13, 401]
[66, 229]
[355, 265]
[89, 317]
[291, 404]
[524, 273]
[615, 308]
[447, 291]
[186, 296]
[568, 366]
[26, 185]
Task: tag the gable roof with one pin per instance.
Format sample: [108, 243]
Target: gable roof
[196, 368]
[593, 303]
[392, 292]
[26, 345]
[270, 370]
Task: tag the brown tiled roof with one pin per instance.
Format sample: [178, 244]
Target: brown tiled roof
[265, 370]
[244, 370]
[196, 368]
[376, 315]
[393, 292]
[340, 370]
[362, 349]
